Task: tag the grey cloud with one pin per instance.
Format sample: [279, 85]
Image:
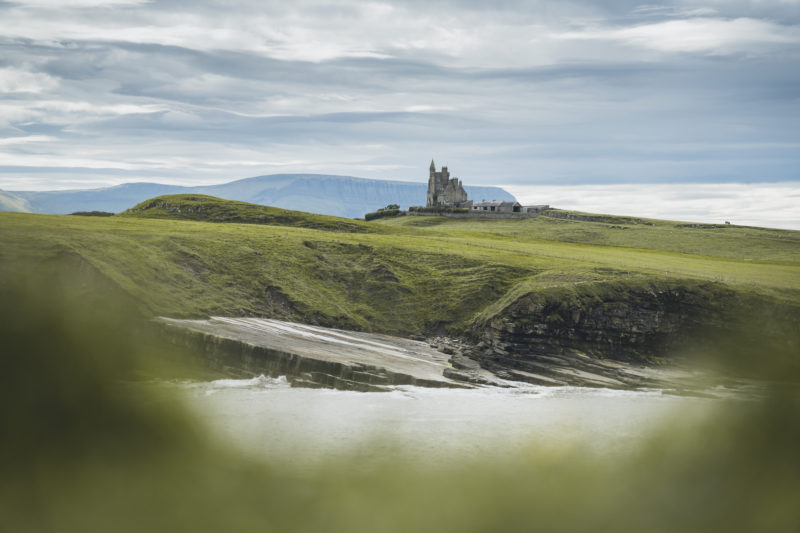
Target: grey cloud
[337, 128]
[619, 117]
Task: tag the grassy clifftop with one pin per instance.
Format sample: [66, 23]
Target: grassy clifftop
[716, 240]
[380, 282]
[407, 276]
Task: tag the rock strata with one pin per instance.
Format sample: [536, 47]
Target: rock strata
[582, 335]
[310, 356]
[617, 321]
[606, 334]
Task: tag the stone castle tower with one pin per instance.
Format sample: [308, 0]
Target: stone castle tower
[444, 191]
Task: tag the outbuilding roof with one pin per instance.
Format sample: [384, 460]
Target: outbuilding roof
[495, 203]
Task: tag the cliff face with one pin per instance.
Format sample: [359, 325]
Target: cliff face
[631, 322]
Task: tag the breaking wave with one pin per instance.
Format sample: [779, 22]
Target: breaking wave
[260, 382]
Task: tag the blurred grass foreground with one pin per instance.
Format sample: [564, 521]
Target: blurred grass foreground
[81, 453]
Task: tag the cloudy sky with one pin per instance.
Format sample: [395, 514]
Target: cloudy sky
[572, 103]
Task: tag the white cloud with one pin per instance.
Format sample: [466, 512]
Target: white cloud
[764, 204]
[717, 36]
[27, 139]
[15, 80]
[704, 35]
[289, 36]
[58, 161]
[78, 3]
[69, 113]
[303, 32]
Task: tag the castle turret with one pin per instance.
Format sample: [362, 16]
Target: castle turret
[432, 185]
[443, 191]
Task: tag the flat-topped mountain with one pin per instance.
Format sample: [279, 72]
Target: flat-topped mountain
[343, 196]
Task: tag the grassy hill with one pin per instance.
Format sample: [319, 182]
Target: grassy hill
[734, 242]
[78, 431]
[409, 275]
[210, 209]
[383, 281]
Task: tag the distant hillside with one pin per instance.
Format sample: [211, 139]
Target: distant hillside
[342, 196]
[12, 202]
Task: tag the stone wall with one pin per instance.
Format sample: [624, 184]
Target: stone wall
[474, 214]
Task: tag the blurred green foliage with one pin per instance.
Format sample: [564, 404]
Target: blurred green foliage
[80, 451]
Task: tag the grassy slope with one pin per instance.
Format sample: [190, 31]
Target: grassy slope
[398, 275]
[211, 209]
[183, 268]
[735, 242]
[761, 259]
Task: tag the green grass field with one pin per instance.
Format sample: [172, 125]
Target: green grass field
[401, 275]
[83, 453]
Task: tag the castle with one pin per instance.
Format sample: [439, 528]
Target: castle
[445, 191]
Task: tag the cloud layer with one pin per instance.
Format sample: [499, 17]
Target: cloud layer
[771, 205]
[519, 92]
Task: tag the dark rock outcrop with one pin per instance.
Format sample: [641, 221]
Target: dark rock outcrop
[591, 327]
[647, 322]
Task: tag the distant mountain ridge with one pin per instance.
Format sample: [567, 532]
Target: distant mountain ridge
[344, 196]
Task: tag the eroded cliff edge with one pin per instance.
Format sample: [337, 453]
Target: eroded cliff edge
[609, 334]
[535, 335]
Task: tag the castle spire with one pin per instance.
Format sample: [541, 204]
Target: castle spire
[433, 166]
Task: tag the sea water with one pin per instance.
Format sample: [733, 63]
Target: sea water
[267, 418]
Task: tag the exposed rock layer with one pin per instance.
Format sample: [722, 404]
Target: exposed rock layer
[592, 334]
[583, 326]
[309, 356]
